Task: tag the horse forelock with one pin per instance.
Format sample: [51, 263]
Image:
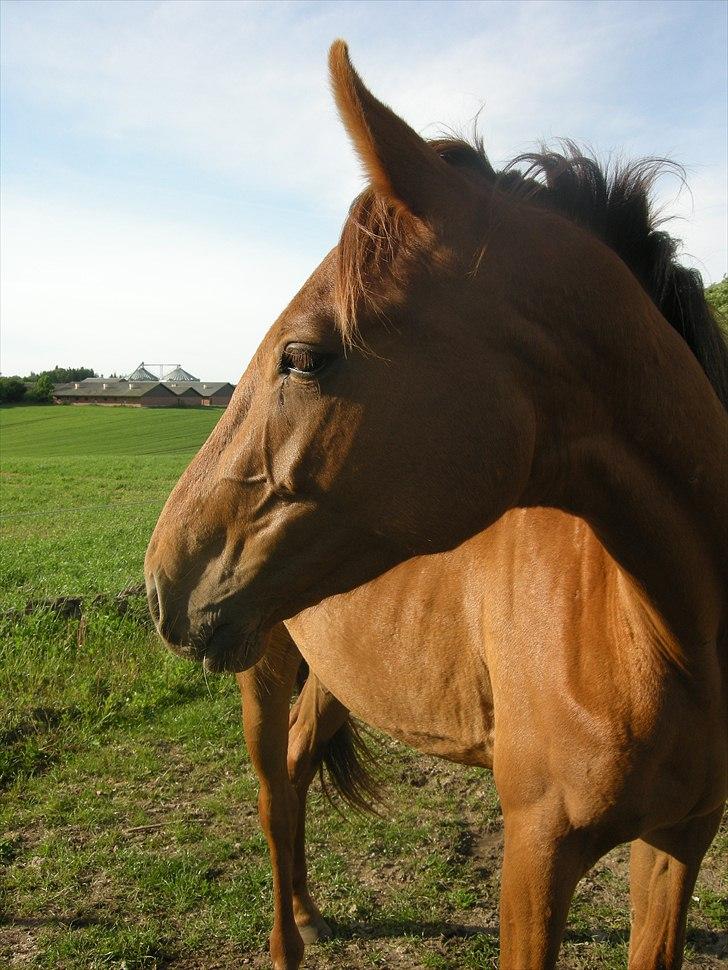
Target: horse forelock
[376, 235]
[612, 201]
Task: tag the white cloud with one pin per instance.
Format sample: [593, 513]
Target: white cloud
[229, 87]
[697, 214]
[241, 88]
[104, 289]
[238, 91]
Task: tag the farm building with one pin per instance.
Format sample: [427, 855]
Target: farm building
[141, 388]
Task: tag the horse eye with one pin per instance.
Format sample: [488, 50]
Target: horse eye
[302, 359]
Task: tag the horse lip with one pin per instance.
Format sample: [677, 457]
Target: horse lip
[186, 651]
[225, 647]
[230, 650]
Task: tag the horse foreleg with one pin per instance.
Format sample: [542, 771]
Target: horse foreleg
[315, 719]
[663, 869]
[542, 863]
[266, 692]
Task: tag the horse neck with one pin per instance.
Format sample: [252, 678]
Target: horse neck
[633, 440]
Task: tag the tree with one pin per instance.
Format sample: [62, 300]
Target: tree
[63, 375]
[43, 389]
[717, 297]
[11, 389]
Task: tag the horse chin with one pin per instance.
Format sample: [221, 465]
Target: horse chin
[232, 651]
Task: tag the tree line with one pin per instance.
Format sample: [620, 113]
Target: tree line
[38, 388]
[717, 297]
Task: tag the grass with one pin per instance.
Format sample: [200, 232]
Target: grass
[128, 829]
[47, 432]
[81, 490]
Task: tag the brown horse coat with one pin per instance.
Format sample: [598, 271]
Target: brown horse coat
[478, 468]
[446, 638]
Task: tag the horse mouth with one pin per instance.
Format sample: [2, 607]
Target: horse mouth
[230, 650]
[224, 649]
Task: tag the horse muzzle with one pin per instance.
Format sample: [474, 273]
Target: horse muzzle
[203, 637]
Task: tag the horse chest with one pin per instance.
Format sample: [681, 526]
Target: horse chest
[432, 700]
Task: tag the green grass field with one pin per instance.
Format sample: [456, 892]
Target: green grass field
[128, 828]
[48, 432]
[81, 490]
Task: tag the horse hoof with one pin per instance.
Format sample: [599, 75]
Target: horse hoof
[315, 932]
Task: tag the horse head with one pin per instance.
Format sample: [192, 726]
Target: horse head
[337, 455]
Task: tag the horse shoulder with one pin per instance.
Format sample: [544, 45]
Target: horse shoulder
[588, 704]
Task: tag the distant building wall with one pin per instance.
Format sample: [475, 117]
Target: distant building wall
[188, 399]
[115, 392]
[222, 397]
[118, 402]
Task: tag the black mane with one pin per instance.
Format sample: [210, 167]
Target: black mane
[615, 204]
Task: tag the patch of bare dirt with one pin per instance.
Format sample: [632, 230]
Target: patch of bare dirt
[18, 945]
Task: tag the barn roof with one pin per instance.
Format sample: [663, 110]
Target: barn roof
[179, 374]
[203, 388]
[111, 387]
[142, 374]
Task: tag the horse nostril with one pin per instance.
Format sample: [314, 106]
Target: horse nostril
[170, 617]
[153, 599]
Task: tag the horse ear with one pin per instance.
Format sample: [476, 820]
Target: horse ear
[400, 165]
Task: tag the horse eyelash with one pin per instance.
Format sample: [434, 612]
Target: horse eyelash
[299, 358]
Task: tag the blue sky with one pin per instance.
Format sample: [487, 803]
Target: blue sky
[173, 171]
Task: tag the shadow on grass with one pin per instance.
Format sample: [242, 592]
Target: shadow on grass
[71, 922]
[708, 942]
[34, 744]
[382, 929]
[705, 942]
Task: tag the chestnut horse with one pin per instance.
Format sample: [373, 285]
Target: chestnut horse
[475, 475]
